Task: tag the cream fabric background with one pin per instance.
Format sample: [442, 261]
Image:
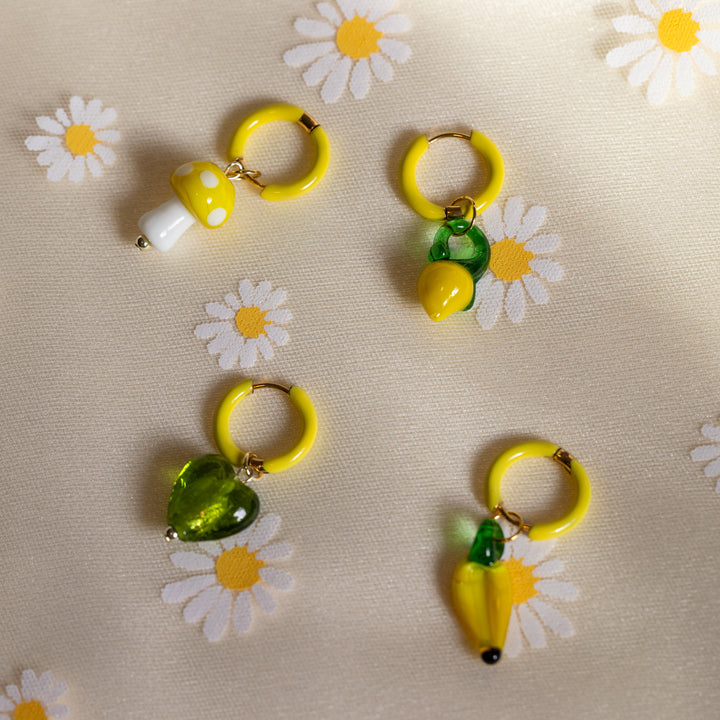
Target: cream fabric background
[106, 392]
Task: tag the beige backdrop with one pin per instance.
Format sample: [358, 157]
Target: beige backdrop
[107, 392]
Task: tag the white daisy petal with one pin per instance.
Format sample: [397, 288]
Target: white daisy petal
[305, 54]
[646, 7]
[241, 538]
[220, 342]
[188, 560]
[347, 8]
[546, 269]
[232, 302]
[41, 142]
[277, 334]
[537, 551]
[275, 577]
[707, 13]
[633, 24]
[265, 347]
[548, 568]
[393, 24]
[53, 155]
[492, 220]
[229, 356]
[181, 590]
[55, 692]
[712, 469]
[105, 154]
[77, 110]
[218, 618]
[242, 612]
[535, 289]
[3, 716]
[336, 81]
[58, 712]
[644, 67]
[666, 5]
[62, 117]
[704, 62]
[551, 618]
[314, 28]
[261, 293]
[661, 80]
[518, 547]
[394, 49]
[30, 685]
[625, 54]
[361, 7]
[105, 118]
[107, 136]
[381, 68]
[59, 167]
[274, 551]
[515, 301]
[49, 125]
[278, 316]
[531, 223]
[379, 8]
[711, 38]
[328, 11]
[513, 216]
[705, 452]
[228, 543]
[360, 79]
[513, 641]
[93, 112]
[711, 432]
[263, 530]
[94, 165]
[14, 692]
[212, 548]
[6, 703]
[543, 243]
[320, 69]
[248, 353]
[684, 75]
[557, 588]
[77, 169]
[275, 298]
[263, 598]
[532, 628]
[491, 305]
[246, 290]
[204, 331]
[201, 605]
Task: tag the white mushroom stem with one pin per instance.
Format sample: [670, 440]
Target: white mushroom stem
[165, 224]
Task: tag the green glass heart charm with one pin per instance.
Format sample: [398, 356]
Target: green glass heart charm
[209, 502]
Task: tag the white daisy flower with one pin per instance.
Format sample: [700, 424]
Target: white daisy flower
[76, 141]
[229, 573]
[245, 325]
[514, 268]
[711, 453]
[672, 41]
[533, 585]
[35, 699]
[352, 46]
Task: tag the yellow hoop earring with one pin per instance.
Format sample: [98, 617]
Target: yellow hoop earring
[447, 284]
[210, 498]
[205, 192]
[481, 586]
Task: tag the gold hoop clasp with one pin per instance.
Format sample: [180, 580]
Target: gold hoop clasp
[546, 530]
[248, 462]
[488, 151]
[271, 113]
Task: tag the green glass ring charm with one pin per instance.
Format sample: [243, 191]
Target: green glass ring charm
[447, 284]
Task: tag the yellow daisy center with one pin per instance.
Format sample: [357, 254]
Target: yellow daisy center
[522, 579]
[80, 139]
[237, 569]
[250, 321]
[677, 29]
[357, 38]
[29, 710]
[509, 260]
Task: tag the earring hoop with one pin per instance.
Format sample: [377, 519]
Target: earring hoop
[489, 153]
[539, 448]
[288, 113]
[240, 458]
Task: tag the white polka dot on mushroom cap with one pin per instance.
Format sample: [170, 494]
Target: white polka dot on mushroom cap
[208, 179]
[185, 169]
[216, 217]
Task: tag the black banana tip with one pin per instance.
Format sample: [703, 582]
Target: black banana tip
[491, 655]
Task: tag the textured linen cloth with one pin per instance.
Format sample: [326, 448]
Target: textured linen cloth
[107, 391]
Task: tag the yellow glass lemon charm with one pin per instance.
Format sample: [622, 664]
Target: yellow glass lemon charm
[444, 287]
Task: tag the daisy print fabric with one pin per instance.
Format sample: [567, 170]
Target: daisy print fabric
[245, 324]
[35, 699]
[534, 590]
[229, 578]
[75, 141]
[350, 46]
[709, 453]
[517, 269]
[671, 43]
